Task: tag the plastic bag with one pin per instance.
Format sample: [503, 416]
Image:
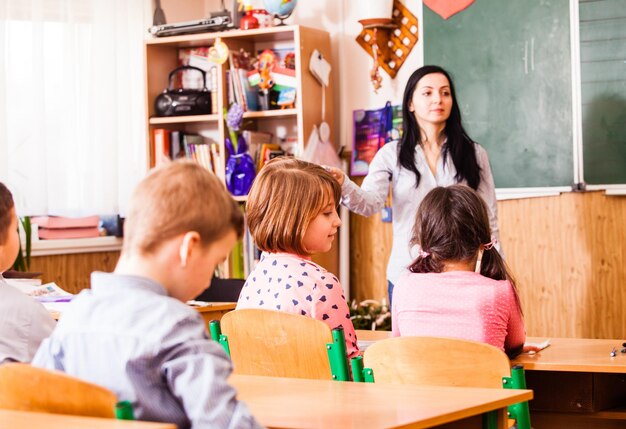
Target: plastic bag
[320, 152]
[240, 169]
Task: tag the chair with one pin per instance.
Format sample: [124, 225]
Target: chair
[279, 344]
[27, 388]
[447, 362]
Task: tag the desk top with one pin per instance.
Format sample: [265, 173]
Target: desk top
[214, 306]
[26, 419]
[300, 403]
[367, 335]
[576, 355]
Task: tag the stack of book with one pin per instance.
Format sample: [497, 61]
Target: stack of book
[57, 227]
[171, 145]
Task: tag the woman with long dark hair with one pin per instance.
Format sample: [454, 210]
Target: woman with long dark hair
[434, 151]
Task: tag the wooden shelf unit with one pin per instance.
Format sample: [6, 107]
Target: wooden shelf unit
[161, 57]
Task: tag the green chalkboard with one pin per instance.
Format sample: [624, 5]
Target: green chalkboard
[511, 65]
[603, 90]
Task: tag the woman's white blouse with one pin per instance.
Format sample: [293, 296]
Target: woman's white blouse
[385, 170]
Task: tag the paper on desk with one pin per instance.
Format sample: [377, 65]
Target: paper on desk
[540, 345]
[364, 344]
[50, 292]
[199, 303]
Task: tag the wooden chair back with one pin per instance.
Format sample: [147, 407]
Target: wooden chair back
[277, 344]
[437, 361]
[27, 388]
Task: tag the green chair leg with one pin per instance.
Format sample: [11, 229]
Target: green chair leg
[216, 335]
[337, 356]
[359, 373]
[124, 411]
[519, 411]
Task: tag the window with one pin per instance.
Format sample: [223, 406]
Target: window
[72, 104]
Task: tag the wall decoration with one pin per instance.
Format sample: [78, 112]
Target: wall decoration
[447, 8]
[393, 40]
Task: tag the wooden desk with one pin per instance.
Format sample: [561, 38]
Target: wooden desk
[366, 335]
[367, 338]
[577, 384]
[301, 403]
[25, 419]
[215, 311]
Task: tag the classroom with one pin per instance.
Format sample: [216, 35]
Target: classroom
[99, 98]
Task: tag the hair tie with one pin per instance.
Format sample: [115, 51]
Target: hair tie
[423, 254]
[489, 246]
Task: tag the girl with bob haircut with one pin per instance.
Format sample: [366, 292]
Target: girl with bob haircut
[435, 150]
[292, 215]
[459, 285]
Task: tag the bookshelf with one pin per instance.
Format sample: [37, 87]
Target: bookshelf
[162, 56]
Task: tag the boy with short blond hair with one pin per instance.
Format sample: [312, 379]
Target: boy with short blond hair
[24, 322]
[132, 332]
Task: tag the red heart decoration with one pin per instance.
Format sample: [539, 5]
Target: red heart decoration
[447, 8]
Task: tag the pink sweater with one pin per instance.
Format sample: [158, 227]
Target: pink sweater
[458, 304]
[290, 283]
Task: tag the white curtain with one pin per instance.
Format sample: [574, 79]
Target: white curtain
[72, 106]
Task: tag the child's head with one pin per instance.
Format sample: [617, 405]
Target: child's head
[288, 198]
[9, 238]
[183, 207]
[452, 225]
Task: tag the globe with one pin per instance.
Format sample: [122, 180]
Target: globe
[280, 8]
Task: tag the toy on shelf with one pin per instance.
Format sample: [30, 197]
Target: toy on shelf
[276, 84]
[218, 53]
[248, 21]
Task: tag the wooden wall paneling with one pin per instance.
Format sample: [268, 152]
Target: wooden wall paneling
[72, 272]
[567, 253]
[606, 286]
[370, 246]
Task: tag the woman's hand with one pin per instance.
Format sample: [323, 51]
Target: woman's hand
[336, 173]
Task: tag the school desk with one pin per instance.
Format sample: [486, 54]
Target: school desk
[214, 311]
[303, 403]
[27, 419]
[366, 338]
[577, 384]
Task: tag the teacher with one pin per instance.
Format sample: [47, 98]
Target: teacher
[434, 151]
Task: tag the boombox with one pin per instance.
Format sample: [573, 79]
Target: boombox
[181, 101]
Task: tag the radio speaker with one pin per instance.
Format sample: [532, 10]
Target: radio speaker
[181, 101]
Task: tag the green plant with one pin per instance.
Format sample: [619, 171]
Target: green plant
[371, 315]
[22, 262]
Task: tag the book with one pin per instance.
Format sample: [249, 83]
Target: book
[284, 78]
[218, 162]
[249, 93]
[63, 233]
[176, 151]
[53, 222]
[540, 345]
[189, 142]
[255, 140]
[264, 155]
[161, 142]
